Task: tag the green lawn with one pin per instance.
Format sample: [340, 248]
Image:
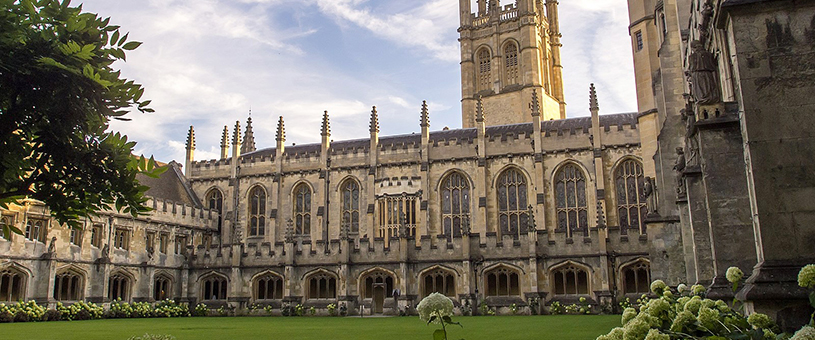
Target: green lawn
[559, 327]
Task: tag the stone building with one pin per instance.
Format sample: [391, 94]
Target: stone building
[521, 206]
[727, 84]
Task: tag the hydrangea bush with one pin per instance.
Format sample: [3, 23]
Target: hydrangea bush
[687, 314]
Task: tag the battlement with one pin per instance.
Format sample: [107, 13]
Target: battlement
[181, 213]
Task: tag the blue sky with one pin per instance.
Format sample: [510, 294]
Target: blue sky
[207, 62]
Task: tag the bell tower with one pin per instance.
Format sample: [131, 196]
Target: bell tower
[508, 53]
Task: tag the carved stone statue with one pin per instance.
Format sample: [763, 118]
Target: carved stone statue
[106, 251]
[702, 67]
[52, 247]
[649, 193]
[679, 167]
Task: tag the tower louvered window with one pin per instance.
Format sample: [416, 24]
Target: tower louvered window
[512, 202]
[631, 207]
[257, 212]
[570, 197]
[215, 202]
[484, 68]
[511, 63]
[455, 204]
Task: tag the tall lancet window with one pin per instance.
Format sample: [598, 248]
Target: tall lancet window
[302, 209]
[484, 68]
[455, 204]
[570, 199]
[512, 202]
[511, 63]
[350, 206]
[257, 211]
[629, 183]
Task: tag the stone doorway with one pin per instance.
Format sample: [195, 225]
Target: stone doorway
[379, 298]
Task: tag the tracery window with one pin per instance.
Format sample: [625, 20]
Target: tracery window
[36, 230]
[213, 287]
[502, 281]
[322, 286]
[118, 287]
[121, 238]
[350, 206]
[302, 209]
[378, 278]
[511, 63]
[637, 278]
[439, 281]
[513, 214]
[68, 286]
[631, 206]
[161, 288]
[215, 202]
[396, 212]
[570, 280]
[12, 285]
[268, 287]
[484, 67]
[570, 200]
[257, 211]
[455, 204]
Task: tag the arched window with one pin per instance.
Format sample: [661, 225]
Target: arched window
[119, 287]
[68, 286]
[455, 204]
[302, 209]
[162, 288]
[512, 203]
[215, 202]
[636, 278]
[257, 211]
[36, 230]
[213, 287]
[570, 198]
[439, 281]
[268, 287]
[511, 63]
[12, 285]
[377, 278]
[322, 286]
[570, 280]
[350, 206]
[631, 207]
[484, 67]
[502, 281]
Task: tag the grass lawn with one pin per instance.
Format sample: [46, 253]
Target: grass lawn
[557, 327]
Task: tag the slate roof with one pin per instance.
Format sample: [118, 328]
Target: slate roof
[171, 185]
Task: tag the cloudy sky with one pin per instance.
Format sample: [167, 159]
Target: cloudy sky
[208, 62]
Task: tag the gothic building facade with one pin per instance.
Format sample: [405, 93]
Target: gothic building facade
[520, 206]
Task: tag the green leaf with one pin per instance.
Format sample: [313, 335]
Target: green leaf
[439, 335]
[432, 318]
[132, 45]
[114, 38]
[124, 38]
[812, 299]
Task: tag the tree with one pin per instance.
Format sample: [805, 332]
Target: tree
[58, 93]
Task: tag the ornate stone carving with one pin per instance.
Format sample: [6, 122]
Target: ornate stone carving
[679, 167]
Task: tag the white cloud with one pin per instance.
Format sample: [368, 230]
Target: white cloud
[427, 26]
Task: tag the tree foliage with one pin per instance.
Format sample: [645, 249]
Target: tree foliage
[58, 93]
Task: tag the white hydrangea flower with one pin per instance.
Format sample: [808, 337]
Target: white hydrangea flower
[734, 274]
[435, 305]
